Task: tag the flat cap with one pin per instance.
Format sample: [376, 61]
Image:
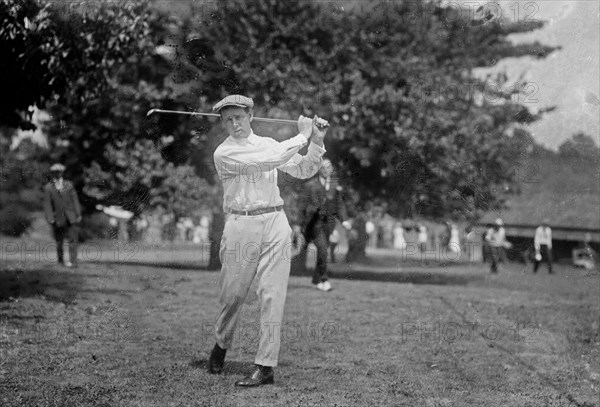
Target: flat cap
[233, 100]
[57, 167]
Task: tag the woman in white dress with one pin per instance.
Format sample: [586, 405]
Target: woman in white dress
[399, 240]
[454, 243]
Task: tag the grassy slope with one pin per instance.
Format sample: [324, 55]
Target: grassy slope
[134, 335]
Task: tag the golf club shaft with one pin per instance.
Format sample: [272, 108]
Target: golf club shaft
[259, 119]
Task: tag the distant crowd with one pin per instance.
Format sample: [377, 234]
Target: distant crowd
[372, 229]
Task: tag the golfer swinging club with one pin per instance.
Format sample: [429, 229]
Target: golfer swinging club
[257, 237]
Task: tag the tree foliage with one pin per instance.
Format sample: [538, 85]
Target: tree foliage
[32, 58]
[142, 179]
[581, 147]
[412, 124]
[19, 186]
[98, 72]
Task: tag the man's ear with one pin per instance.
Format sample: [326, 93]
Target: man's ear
[251, 114]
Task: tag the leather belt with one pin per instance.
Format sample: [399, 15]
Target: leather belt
[255, 212]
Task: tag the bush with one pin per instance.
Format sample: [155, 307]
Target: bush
[14, 220]
[95, 226]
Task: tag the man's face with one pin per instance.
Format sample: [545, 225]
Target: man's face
[56, 175]
[237, 121]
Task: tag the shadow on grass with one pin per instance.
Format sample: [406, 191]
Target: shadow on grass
[412, 277]
[429, 273]
[197, 266]
[424, 274]
[53, 283]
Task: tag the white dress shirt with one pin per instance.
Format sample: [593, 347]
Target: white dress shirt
[59, 184]
[543, 235]
[248, 168]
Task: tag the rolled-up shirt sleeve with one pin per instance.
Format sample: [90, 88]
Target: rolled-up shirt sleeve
[304, 166]
[249, 161]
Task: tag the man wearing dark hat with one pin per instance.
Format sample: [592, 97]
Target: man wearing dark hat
[63, 212]
[256, 240]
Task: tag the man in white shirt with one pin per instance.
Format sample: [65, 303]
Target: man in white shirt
[256, 240]
[542, 242]
[496, 238]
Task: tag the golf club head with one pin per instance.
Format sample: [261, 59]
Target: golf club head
[150, 112]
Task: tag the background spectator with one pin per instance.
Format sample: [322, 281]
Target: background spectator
[63, 212]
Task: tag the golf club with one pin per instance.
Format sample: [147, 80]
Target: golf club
[258, 119]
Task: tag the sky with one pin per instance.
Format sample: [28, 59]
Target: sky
[569, 78]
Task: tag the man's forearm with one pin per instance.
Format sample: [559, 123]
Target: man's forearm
[317, 142]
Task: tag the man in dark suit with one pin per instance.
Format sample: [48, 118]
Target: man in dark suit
[320, 204]
[63, 212]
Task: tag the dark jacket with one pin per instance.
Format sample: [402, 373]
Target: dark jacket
[61, 206]
[319, 209]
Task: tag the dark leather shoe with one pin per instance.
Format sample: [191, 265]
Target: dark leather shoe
[261, 375]
[217, 360]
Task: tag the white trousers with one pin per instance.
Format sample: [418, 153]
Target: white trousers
[254, 247]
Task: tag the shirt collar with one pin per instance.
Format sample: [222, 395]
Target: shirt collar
[252, 139]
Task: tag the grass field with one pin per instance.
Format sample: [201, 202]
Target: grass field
[119, 333]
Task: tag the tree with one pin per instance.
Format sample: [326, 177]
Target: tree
[413, 125]
[20, 186]
[31, 51]
[142, 179]
[97, 69]
[26, 45]
[580, 147]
